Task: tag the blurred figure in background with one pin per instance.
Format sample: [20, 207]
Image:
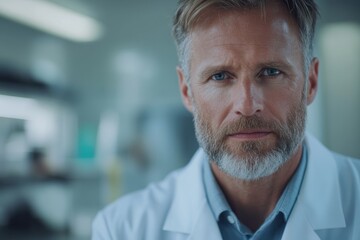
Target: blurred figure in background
[38, 163]
[38, 203]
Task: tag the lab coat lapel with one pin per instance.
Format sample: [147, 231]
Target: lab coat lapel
[189, 213]
[319, 205]
[205, 226]
[299, 227]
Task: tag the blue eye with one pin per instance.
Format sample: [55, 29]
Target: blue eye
[271, 72]
[219, 76]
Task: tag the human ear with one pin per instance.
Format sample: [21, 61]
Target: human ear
[184, 89]
[313, 80]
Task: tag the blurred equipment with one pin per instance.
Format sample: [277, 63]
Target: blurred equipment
[36, 141]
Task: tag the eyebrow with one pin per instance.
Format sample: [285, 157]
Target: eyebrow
[275, 64]
[210, 70]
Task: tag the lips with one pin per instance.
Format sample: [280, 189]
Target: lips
[250, 134]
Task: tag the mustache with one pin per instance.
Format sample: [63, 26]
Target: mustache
[250, 123]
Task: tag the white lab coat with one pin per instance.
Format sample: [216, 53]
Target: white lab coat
[176, 208]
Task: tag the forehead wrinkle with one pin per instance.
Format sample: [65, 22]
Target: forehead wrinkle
[229, 52]
[224, 54]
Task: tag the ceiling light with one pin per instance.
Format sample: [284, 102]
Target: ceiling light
[52, 18]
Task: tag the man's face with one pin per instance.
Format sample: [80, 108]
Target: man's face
[247, 89]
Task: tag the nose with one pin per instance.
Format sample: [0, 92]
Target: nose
[248, 98]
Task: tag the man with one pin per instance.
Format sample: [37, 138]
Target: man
[247, 74]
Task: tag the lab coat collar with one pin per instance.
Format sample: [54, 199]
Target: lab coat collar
[319, 205]
[190, 212]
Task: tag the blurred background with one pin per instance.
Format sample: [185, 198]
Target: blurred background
[90, 108]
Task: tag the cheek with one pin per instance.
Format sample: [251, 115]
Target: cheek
[278, 104]
[213, 105]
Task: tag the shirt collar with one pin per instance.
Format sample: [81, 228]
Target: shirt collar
[291, 192]
[214, 194]
[219, 204]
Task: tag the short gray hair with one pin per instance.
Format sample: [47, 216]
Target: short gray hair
[304, 12]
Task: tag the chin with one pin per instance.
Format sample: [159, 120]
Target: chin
[251, 149]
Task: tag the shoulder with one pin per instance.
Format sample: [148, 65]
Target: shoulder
[349, 181]
[347, 165]
[146, 208]
[325, 157]
[349, 176]
[156, 194]
[349, 195]
[142, 214]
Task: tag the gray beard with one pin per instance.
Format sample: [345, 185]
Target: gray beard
[255, 164]
[251, 168]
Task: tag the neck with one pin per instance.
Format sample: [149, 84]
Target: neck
[253, 201]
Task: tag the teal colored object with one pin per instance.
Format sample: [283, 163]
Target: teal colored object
[86, 143]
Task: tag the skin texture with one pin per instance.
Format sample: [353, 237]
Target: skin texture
[245, 64]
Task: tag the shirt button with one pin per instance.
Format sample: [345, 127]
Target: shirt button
[230, 219]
